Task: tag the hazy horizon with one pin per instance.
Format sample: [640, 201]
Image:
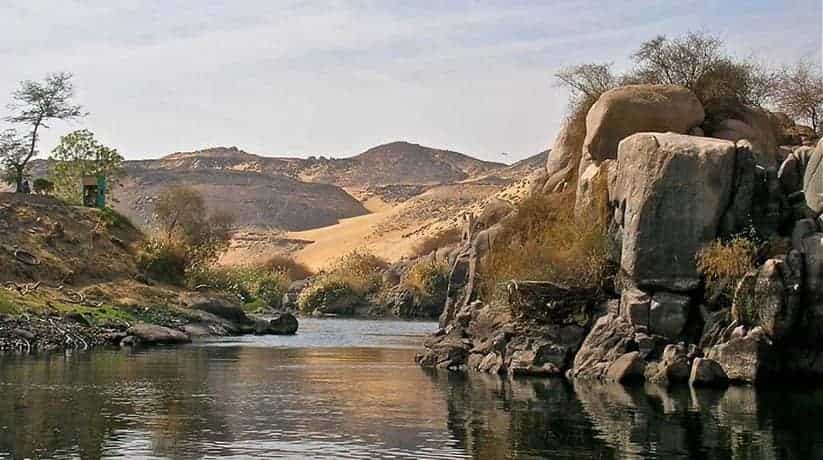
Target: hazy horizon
[337, 78]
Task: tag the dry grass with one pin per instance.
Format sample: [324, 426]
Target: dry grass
[283, 263]
[730, 260]
[426, 278]
[438, 240]
[724, 264]
[544, 241]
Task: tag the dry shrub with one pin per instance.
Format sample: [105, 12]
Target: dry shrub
[360, 269]
[434, 242]
[426, 278]
[280, 262]
[325, 290]
[544, 241]
[733, 259]
[164, 259]
[724, 264]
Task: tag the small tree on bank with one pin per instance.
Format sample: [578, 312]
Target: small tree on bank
[78, 155]
[33, 105]
[12, 151]
[799, 93]
[182, 216]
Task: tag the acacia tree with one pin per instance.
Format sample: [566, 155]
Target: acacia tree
[79, 154]
[33, 105]
[12, 151]
[182, 216]
[799, 93]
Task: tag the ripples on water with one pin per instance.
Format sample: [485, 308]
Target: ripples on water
[349, 389]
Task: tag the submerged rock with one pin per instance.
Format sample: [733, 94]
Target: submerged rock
[153, 334]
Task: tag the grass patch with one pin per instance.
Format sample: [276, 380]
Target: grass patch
[7, 306]
[723, 265]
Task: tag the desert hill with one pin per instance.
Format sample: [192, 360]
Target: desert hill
[255, 199]
[384, 199]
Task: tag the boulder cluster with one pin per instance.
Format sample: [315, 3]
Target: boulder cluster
[673, 181]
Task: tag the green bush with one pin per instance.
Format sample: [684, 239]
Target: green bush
[164, 260]
[249, 284]
[114, 220]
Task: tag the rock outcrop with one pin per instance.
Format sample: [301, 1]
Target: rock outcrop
[668, 195]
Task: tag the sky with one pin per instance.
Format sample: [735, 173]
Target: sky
[334, 78]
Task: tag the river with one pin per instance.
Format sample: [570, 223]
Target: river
[350, 389]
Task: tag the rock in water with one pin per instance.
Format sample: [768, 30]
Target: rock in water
[623, 111]
[153, 334]
[746, 359]
[627, 368]
[706, 372]
[671, 191]
[220, 308]
[283, 324]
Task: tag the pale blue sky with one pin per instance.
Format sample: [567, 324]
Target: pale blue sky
[337, 77]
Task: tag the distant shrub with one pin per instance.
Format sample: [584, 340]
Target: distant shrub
[249, 284]
[426, 278]
[42, 186]
[326, 290]
[164, 260]
[436, 241]
[361, 270]
[295, 270]
[723, 264]
[114, 220]
[544, 241]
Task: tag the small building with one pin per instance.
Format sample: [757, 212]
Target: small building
[94, 191]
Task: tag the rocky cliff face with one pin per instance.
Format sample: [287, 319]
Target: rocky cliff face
[669, 196]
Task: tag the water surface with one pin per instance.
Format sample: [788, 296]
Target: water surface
[349, 389]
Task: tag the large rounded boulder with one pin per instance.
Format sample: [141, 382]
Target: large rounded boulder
[564, 157]
[623, 111]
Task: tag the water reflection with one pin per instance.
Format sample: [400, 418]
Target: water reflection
[232, 400]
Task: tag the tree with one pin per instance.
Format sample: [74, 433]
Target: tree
[699, 62]
[182, 217]
[78, 155]
[33, 105]
[587, 81]
[12, 151]
[799, 93]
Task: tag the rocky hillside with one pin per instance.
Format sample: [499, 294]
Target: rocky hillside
[294, 193]
[397, 163]
[256, 199]
[69, 278]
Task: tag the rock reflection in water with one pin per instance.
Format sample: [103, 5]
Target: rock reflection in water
[247, 402]
[537, 418]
